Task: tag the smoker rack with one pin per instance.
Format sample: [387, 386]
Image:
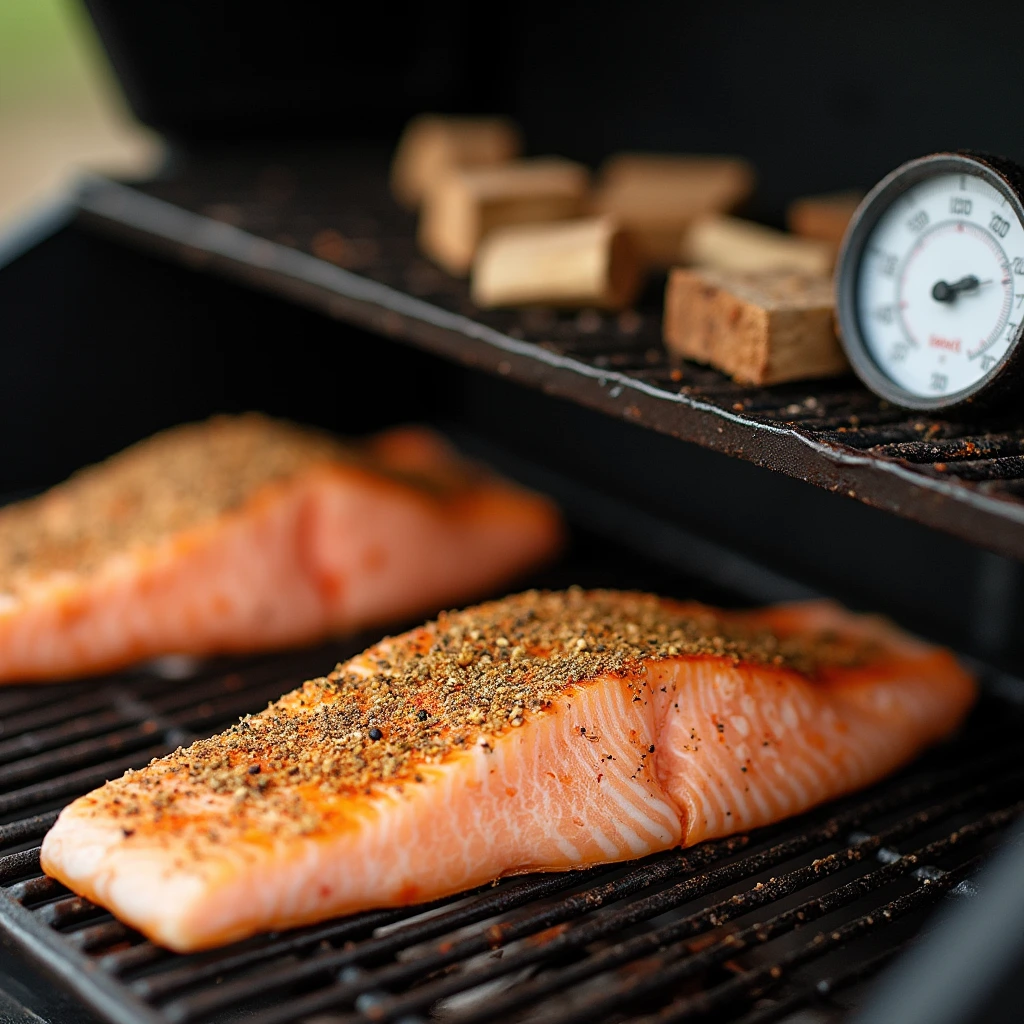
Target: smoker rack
[745, 929]
[748, 929]
[323, 231]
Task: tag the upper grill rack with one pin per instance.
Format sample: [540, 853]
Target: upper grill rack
[746, 929]
[324, 232]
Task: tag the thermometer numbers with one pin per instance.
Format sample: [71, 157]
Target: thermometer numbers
[919, 221]
[998, 226]
[937, 284]
[899, 352]
[887, 263]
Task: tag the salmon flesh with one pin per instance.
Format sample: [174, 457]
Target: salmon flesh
[244, 533]
[541, 732]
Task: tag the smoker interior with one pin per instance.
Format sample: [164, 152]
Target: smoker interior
[133, 343]
[661, 470]
[119, 344]
[753, 928]
[322, 229]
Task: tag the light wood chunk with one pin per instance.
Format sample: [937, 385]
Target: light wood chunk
[587, 262]
[657, 197]
[824, 217]
[433, 144]
[464, 206]
[758, 328]
[730, 243]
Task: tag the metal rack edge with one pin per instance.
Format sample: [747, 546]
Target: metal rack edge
[43, 947]
[202, 242]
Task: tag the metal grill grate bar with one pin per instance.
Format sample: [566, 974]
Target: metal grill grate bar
[27, 743]
[911, 432]
[59, 727]
[175, 727]
[195, 970]
[127, 710]
[573, 906]
[35, 890]
[27, 828]
[821, 990]
[14, 865]
[22, 726]
[1009, 468]
[78, 782]
[711, 917]
[477, 909]
[648, 874]
[663, 973]
[587, 945]
[105, 934]
[69, 911]
[760, 982]
[950, 449]
[14, 700]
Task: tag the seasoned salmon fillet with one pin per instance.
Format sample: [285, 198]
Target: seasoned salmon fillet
[243, 533]
[541, 732]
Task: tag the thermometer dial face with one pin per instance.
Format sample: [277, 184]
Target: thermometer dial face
[931, 281]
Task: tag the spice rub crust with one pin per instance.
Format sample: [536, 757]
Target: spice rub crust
[168, 484]
[386, 717]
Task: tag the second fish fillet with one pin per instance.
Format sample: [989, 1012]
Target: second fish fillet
[244, 533]
[542, 732]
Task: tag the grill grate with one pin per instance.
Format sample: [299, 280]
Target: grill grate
[324, 232]
[750, 928]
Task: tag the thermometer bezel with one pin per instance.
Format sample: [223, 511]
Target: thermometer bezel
[1003, 380]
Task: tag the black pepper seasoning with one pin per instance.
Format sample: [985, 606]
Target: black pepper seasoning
[478, 690]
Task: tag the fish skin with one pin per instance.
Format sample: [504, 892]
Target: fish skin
[659, 751]
[294, 536]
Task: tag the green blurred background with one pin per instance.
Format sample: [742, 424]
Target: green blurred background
[61, 110]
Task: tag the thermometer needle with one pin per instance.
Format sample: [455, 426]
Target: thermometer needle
[945, 292]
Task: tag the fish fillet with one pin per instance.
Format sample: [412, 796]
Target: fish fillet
[243, 533]
[541, 732]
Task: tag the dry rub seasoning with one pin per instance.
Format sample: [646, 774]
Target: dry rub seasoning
[465, 679]
[166, 485]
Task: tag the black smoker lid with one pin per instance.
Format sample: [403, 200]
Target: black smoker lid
[210, 71]
[819, 96]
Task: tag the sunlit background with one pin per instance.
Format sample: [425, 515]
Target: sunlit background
[61, 110]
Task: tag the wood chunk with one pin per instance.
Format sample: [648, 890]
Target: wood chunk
[657, 197]
[586, 262]
[730, 243]
[433, 144]
[823, 217]
[759, 328]
[464, 206]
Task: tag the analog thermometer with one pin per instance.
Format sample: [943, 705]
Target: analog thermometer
[930, 282]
